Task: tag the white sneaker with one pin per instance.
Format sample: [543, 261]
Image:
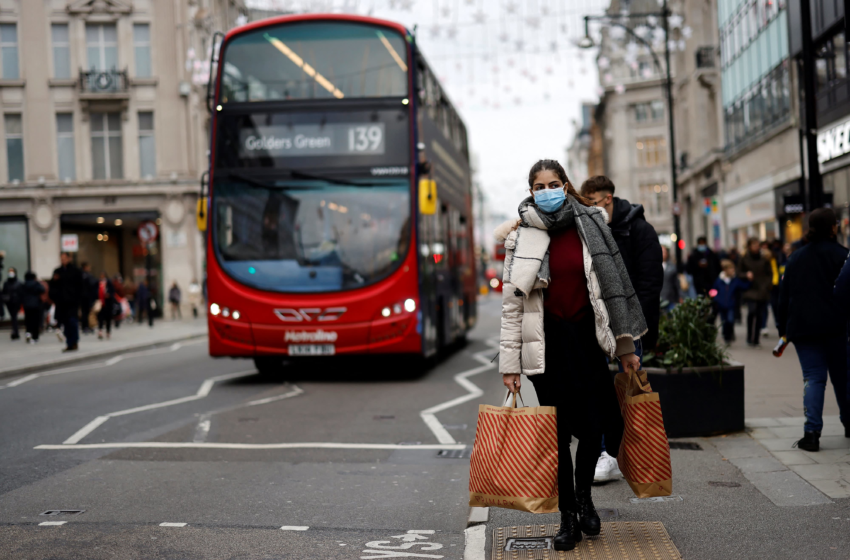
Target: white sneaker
[60, 336]
[606, 469]
[29, 338]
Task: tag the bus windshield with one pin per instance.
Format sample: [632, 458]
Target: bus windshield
[310, 235]
[314, 60]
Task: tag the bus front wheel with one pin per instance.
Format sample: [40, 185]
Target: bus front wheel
[269, 365]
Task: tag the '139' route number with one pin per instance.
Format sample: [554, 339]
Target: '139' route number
[365, 138]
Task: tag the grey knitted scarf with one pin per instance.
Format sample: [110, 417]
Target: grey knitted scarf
[624, 311]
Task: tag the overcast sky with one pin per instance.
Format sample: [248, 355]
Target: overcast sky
[509, 66]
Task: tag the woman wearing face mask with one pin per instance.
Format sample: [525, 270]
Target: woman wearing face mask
[567, 302]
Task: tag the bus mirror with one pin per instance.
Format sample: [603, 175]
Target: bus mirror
[201, 213]
[427, 196]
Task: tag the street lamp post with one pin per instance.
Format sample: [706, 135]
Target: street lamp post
[587, 42]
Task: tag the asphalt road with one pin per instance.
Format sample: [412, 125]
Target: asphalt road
[172, 436]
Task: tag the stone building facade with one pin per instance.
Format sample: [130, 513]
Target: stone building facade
[105, 127]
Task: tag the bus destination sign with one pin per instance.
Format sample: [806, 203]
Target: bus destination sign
[340, 139]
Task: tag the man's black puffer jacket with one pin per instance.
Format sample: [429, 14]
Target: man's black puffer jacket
[641, 251]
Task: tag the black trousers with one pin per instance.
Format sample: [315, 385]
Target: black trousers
[755, 310]
[32, 320]
[578, 384]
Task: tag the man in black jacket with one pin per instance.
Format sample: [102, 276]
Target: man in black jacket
[813, 318]
[703, 266]
[66, 291]
[641, 252]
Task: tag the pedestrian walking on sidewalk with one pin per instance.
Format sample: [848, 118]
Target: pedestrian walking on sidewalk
[556, 331]
[811, 317]
[638, 244]
[106, 297]
[671, 290]
[66, 288]
[143, 303]
[704, 266]
[757, 270]
[727, 287]
[174, 300]
[32, 292]
[89, 296]
[12, 299]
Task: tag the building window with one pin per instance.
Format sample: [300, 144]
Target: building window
[147, 146]
[9, 51]
[102, 46]
[765, 105]
[651, 111]
[61, 51]
[106, 150]
[655, 198]
[142, 49]
[14, 147]
[65, 146]
[651, 152]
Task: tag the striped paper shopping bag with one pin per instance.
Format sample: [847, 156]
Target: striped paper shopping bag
[644, 456]
[514, 460]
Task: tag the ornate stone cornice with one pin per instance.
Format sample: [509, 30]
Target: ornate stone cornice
[109, 7]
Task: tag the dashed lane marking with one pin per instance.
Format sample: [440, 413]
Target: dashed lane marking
[51, 523]
[97, 365]
[294, 528]
[204, 390]
[429, 414]
[173, 524]
[193, 445]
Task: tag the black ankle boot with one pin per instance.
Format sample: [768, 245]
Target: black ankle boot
[588, 519]
[569, 534]
[810, 441]
[847, 430]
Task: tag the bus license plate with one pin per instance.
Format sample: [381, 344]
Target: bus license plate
[312, 350]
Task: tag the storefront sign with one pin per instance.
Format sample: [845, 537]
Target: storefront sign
[834, 141]
[70, 243]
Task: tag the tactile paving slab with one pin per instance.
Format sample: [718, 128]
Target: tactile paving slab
[623, 540]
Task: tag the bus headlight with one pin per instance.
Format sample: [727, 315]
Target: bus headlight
[214, 309]
[385, 312]
[225, 312]
[236, 315]
[409, 305]
[494, 283]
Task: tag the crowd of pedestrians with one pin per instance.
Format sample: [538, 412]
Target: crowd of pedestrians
[74, 301]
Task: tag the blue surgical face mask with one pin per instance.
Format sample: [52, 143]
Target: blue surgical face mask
[550, 200]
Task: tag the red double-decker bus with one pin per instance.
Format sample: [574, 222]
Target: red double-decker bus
[340, 218]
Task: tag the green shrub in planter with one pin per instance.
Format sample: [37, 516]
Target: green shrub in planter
[687, 338]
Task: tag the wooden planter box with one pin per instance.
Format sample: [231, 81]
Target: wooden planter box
[703, 401]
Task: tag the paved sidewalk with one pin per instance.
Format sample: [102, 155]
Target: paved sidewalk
[17, 357]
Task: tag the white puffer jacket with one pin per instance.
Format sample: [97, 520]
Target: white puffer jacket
[522, 344]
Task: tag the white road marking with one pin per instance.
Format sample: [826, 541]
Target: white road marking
[293, 393]
[429, 414]
[86, 430]
[98, 365]
[475, 539]
[51, 523]
[173, 524]
[421, 531]
[204, 390]
[203, 429]
[207, 445]
[390, 549]
[294, 528]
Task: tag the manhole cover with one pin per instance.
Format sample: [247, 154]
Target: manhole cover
[63, 512]
[453, 453]
[617, 541]
[534, 543]
[688, 445]
[723, 484]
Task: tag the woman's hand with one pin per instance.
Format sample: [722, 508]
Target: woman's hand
[512, 381]
[630, 362]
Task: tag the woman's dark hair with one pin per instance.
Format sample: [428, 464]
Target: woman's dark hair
[821, 222]
[30, 275]
[552, 165]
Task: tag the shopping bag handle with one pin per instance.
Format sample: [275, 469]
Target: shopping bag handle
[507, 396]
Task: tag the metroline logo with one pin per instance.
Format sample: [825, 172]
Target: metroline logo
[310, 336]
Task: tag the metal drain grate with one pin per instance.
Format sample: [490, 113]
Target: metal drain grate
[63, 512]
[689, 445]
[724, 484]
[453, 453]
[618, 541]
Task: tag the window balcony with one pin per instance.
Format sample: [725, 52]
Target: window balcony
[97, 84]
